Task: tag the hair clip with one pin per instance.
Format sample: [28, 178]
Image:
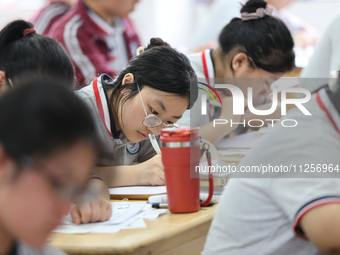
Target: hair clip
[28, 31]
[259, 14]
[140, 50]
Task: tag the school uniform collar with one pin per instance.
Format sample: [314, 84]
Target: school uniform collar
[102, 104]
[327, 106]
[208, 65]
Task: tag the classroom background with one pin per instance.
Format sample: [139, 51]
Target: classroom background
[177, 20]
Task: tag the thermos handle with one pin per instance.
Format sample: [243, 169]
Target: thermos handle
[205, 148]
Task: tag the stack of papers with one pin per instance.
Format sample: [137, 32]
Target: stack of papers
[123, 215]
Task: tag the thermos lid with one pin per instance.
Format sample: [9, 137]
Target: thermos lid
[186, 134]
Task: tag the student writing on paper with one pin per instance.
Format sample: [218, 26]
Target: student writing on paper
[253, 51]
[44, 166]
[24, 55]
[152, 92]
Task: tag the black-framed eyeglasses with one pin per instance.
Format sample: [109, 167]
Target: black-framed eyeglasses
[151, 120]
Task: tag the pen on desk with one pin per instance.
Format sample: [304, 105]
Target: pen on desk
[159, 205]
[154, 143]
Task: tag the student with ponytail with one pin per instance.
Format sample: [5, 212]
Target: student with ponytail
[152, 92]
[253, 51]
[25, 54]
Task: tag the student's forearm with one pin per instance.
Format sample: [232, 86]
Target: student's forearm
[115, 176]
[99, 187]
[150, 172]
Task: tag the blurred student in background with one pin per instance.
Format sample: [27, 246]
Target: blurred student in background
[51, 12]
[48, 148]
[253, 51]
[98, 36]
[25, 55]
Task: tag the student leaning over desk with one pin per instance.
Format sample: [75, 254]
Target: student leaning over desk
[48, 147]
[24, 54]
[253, 51]
[296, 211]
[152, 91]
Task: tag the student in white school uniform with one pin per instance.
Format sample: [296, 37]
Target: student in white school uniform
[152, 92]
[48, 147]
[253, 51]
[295, 211]
[24, 54]
[325, 59]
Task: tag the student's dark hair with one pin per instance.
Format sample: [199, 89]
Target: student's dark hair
[159, 67]
[41, 118]
[25, 55]
[266, 40]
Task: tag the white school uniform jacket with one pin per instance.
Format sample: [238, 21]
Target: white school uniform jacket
[260, 215]
[116, 149]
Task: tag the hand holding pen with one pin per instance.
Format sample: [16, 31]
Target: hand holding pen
[154, 143]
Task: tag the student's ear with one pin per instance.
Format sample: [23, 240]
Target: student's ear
[128, 78]
[3, 82]
[240, 61]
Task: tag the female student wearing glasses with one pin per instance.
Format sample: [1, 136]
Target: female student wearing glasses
[48, 147]
[152, 91]
[253, 51]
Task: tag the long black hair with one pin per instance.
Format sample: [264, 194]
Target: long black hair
[25, 55]
[266, 40]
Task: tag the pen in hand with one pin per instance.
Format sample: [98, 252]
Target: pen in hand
[154, 143]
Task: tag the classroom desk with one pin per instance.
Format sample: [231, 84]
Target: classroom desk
[169, 234]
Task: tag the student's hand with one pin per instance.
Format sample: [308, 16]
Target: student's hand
[98, 209]
[151, 172]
